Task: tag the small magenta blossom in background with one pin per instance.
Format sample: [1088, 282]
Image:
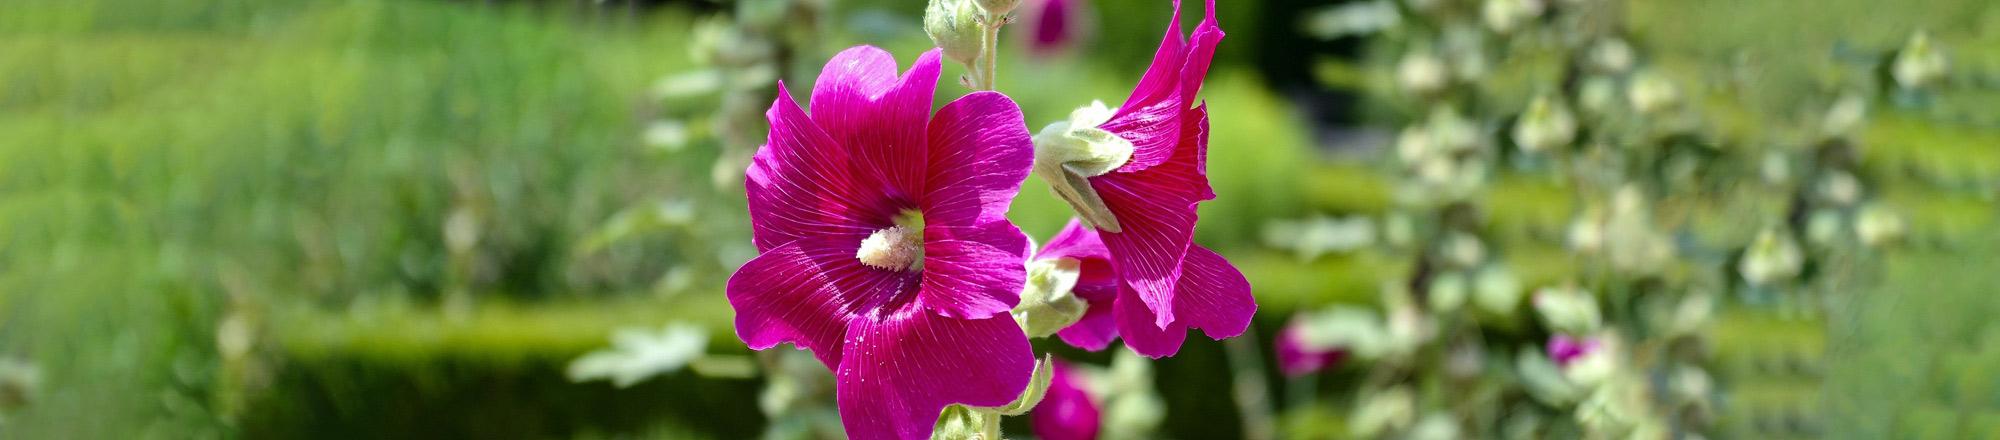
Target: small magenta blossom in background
[1053, 25]
[1295, 358]
[884, 244]
[1214, 291]
[1067, 412]
[1143, 200]
[1564, 349]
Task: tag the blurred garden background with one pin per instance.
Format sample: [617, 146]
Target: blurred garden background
[513, 219]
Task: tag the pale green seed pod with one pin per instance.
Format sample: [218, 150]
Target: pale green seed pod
[1048, 303]
[954, 25]
[1067, 153]
[1919, 63]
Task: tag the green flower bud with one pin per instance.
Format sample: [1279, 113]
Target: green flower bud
[1597, 95]
[1595, 367]
[1611, 55]
[1383, 412]
[1845, 115]
[1651, 93]
[1568, 309]
[1543, 379]
[1462, 250]
[1436, 426]
[1878, 225]
[996, 8]
[1546, 125]
[958, 422]
[1776, 169]
[1047, 303]
[1692, 384]
[1503, 16]
[1421, 73]
[1692, 314]
[1586, 232]
[955, 26]
[1067, 153]
[1496, 290]
[1631, 242]
[1839, 188]
[1038, 386]
[1413, 145]
[1823, 227]
[1919, 63]
[1773, 258]
[1448, 291]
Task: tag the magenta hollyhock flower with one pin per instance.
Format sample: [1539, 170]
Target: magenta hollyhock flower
[884, 243]
[1565, 349]
[1296, 359]
[1211, 294]
[1067, 411]
[1166, 283]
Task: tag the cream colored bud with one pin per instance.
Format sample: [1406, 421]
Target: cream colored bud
[954, 25]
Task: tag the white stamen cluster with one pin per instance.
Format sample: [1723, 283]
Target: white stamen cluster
[895, 248]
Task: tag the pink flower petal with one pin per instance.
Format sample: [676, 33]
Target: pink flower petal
[851, 78]
[1098, 327]
[1152, 127]
[1295, 359]
[1097, 285]
[901, 369]
[1212, 296]
[1201, 51]
[1151, 117]
[1067, 412]
[1156, 210]
[980, 152]
[974, 272]
[1075, 241]
[1136, 324]
[801, 184]
[1051, 26]
[878, 118]
[805, 291]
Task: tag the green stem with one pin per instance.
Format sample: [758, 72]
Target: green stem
[1252, 392]
[989, 57]
[989, 427]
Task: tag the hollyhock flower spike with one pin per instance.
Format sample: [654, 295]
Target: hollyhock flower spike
[1296, 358]
[1212, 295]
[1067, 412]
[1136, 174]
[884, 243]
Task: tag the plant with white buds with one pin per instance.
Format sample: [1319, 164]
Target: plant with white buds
[1920, 63]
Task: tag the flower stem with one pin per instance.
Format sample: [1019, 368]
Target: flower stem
[1252, 394]
[984, 72]
[989, 427]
